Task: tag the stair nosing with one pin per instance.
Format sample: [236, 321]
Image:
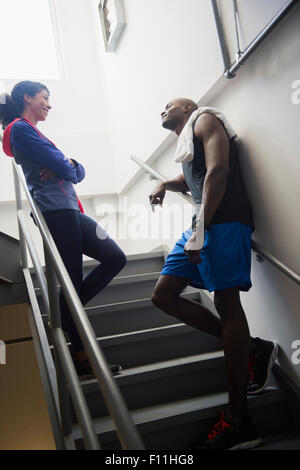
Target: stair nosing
[165, 368]
[137, 335]
[131, 258]
[127, 305]
[188, 408]
[136, 303]
[118, 280]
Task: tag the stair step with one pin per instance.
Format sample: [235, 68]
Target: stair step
[142, 347]
[121, 317]
[163, 382]
[285, 441]
[179, 425]
[157, 344]
[136, 264]
[120, 289]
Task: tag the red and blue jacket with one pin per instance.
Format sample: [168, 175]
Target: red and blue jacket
[34, 152]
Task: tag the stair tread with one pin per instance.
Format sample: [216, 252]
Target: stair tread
[174, 362]
[131, 257]
[146, 334]
[158, 368]
[137, 303]
[150, 276]
[131, 278]
[286, 441]
[159, 330]
[206, 405]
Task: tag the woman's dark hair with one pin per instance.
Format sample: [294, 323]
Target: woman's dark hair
[12, 105]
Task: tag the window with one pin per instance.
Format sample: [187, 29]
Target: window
[112, 18]
[28, 44]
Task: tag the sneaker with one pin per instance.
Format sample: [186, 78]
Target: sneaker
[227, 435]
[262, 358]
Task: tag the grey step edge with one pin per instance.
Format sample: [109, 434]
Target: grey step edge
[129, 305]
[120, 280]
[130, 258]
[143, 335]
[189, 293]
[183, 411]
[167, 368]
[162, 382]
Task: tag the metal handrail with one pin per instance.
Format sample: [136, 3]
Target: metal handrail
[254, 245]
[66, 374]
[230, 70]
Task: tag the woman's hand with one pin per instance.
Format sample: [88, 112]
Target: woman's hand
[47, 174]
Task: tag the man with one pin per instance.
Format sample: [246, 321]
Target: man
[215, 256]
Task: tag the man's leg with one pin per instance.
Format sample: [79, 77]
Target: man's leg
[236, 339]
[166, 296]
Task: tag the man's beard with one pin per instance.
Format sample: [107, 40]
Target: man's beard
[170, 124]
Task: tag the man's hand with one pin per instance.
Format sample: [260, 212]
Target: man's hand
[47, 174]
[157, 195]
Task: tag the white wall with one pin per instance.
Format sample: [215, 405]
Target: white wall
[77, 123]
[169, 49]
[259, 104]
[253, 16]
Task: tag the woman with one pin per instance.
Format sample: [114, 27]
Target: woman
[50, 177]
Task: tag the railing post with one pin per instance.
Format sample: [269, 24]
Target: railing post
[55, 322]
[24, 259]
[66, 373]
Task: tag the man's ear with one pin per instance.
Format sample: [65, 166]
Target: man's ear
[187, 107]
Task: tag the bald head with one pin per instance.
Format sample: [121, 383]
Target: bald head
[177, 112]
[186, 103]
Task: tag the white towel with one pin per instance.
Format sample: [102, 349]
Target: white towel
[185, 147]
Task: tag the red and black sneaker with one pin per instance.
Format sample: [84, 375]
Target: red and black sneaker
[262, 358]
[227, 435]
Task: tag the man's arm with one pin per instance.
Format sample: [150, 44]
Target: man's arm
[216, 149]
[177, 184]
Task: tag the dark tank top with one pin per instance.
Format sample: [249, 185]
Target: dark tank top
[235, 205]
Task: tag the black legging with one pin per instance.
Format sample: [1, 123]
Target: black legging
[76, 234]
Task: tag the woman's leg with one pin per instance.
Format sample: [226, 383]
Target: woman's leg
[98, 245]
[65, 229]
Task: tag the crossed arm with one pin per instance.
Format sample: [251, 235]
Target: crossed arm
[42, 152]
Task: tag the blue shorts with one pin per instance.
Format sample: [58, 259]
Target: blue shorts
[226, 258]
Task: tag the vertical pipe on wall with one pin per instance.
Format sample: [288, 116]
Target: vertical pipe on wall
[221, 35]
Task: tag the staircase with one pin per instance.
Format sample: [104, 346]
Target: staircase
[173, 377]
[12, 285]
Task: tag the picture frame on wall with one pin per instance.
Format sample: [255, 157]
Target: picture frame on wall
[113, 22]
